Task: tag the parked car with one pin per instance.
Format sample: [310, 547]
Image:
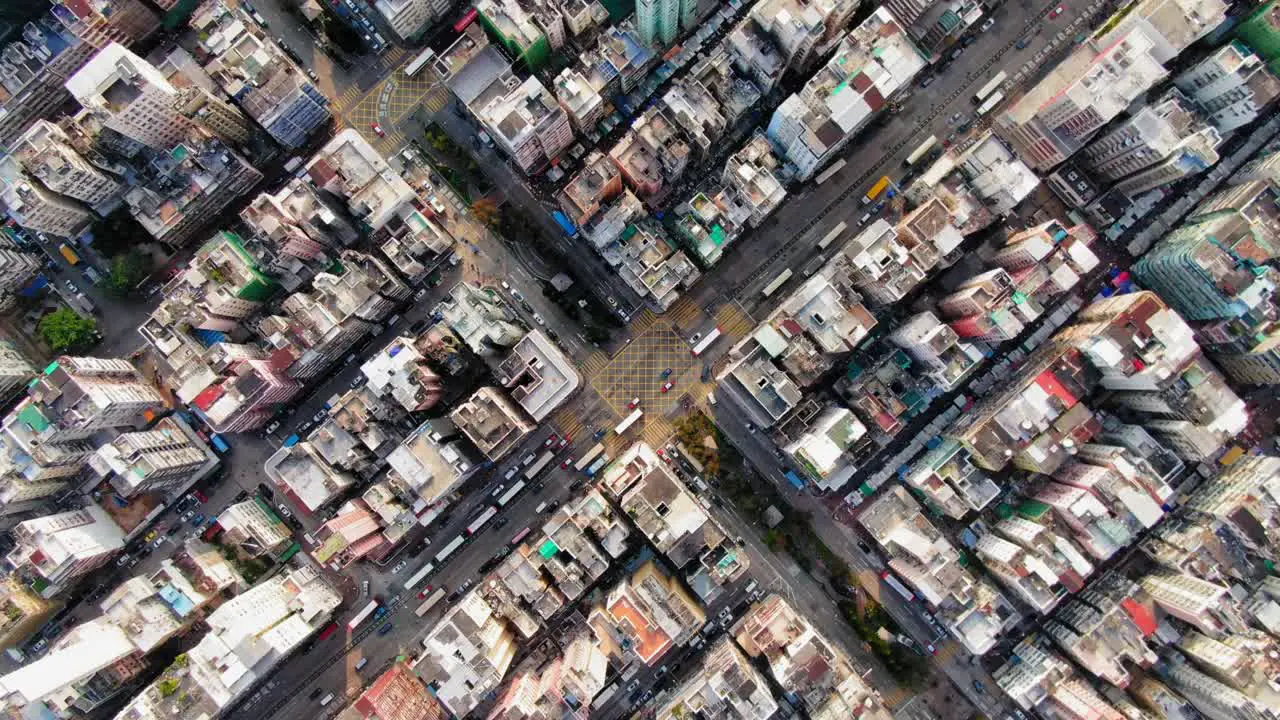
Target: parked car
[284, 511]
[274, 426]
[399, 566]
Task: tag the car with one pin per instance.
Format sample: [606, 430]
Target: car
[316, 693]
[612, 301]
[265, 491]
[567, 462]
[666, 373]
[320, 414]
[284, 511]
[635, 403]
[527, 307]
[635, 685]
[1022, 44]
[977, 685]
[968, 40]
[667, 386]
[385, 629]
[274, 426]
[399, 566]
[357, 381]
[954, 118]
[564, 442]
[425, 592]
[173, 530]
[955, 54]
[551, 440]
[198, 520]
[516, 294]
[751, 428]
[124, 559]
[501, 521]
[864, 547]
[932, 650]
[987, 24]
[539, 319]
[926, 82]
[187, 515]
[312, 74]
[364, 589]
[1057, 11]
[696, 337]
[159, 541]
[150, 536]
[378, 130]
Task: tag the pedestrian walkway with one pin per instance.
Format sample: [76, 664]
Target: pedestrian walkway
[656, 431]
[436, 99]
[642, 321]
[348, 98]
[393, 141]
[734, 322]
[568, 423]
[684, 313]
[897, 696]
[594, 364]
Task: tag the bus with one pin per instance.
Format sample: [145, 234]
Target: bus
[920, 151]
[520, 536]
[629, 420]
[776, 283]
[589, 458]
[466, 20]
[481, 520]
[419, 62]
[513, 491]
[892, 581]
[532, 471]
[329, 631]
[430, 602]
[990, 87]
[363, 615]
[419, 576]
[705, 342]
[598, 465]
[876, 189]
[826, 174]
[990, 104]
[450, 549]
[831, 236]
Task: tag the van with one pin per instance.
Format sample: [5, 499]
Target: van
[711, 398]
[326, 699]
[751, 586]
[528, 460]
[511, 473]
[541, 506]
[497, 490]
[363, 661]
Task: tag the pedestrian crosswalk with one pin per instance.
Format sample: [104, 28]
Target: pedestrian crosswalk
[642, 321]
[657, 431]
[436, 99]
[391, 142]
[897, 696]
[947, 651]
[733, 321]
[594, 364]
[348, 98]
[683, 313]
[570, 426]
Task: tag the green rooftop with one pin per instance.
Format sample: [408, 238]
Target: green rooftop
[30, 415]
[548, 549]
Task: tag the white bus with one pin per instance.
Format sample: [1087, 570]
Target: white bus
[990, 87]
[589, 458]
[892, 581]
[831, 236]
[920, 151]
[483, 519]
[629, 420]
[512, 492]
[826, 174]
[705, 342]
[363, 615]
[777, 282]
[990, 104]
[419, 62]
[543, 462]
[450, 549]
[430, 602]
[419, 576]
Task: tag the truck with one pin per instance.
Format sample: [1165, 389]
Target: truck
[565, 223]
[876, 189]
[69, 254]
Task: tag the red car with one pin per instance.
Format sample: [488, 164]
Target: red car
[564, 441]
[567, 462]
[200, 496]
[551, 440]
[1057, 11]
[635, 402]
[425, 591]
[378, 129]
[668, 386]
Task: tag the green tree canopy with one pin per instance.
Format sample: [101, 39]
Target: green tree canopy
[128, 270]
[65, 329]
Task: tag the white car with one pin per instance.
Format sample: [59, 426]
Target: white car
[399, 566]
[284, 511]
[538, 319]
[274, 426]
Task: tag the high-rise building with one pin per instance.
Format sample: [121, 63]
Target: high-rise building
[659, 21]
[77, 396]
[466, 654]
[56, 550]
[22, 612]
[35, 207]
[17, 268]
[563, 688]
[724, 686]
[137, 100]
[409, 18]
[493, 423]
[15, 371]
[46, 153]
[523, 32]
[151, 460]
[1231, 87]
[397, 694]
[1205, 605]
[1261, 30]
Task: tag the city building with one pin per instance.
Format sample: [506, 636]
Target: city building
[482, 322]
[397, 694]
[34, 207]
[349, 167]
[249, 635]
[251, 68]
[409, 19]
[724, 686]
[430, 464]
[645, 616]
[1205, 605]
[492, 422]
[886, 262]
[1161, 143]
[17, 270]
[951, 481]
[580, 98]
[993, 174]
[674, 521]
[401, 372]
[74, 397]
[946, 359]
[164, 457]
[652, 155]
[651, 265]
[22, 612]
[804, 662]
[659, 22]
[591, 188]
[697, 111]
[750, 186]
[1232, 87]
[1240, 505]
[527, 31]
[733, 90]
[974, 611]
[15, 371]
[1036, 678]
[54, 551]
[538, 375]
[874, 61]
[1261, 30]
[936, 27]
[297, 222]
[302, 473]
[254, 528]
[466, 654]
[1032, 561]
[565, 686]
[46, 153]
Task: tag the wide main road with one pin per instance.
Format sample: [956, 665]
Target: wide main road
[790, 236]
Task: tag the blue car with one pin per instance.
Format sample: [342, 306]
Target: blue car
[385, 629]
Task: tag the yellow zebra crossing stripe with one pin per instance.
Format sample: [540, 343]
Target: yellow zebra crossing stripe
[733, 321]
[897, 697]
[572, 428]
[395, 54]
[642, 321]
[683, 312]
[948, 651]
[436, 100]
[656, 433]
[595, 363]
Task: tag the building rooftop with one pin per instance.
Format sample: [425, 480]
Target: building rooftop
[492, 422]
[538, 375]
[351, 168]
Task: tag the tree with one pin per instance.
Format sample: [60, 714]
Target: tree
[486, 211]
[65, 329]
[128, 270]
